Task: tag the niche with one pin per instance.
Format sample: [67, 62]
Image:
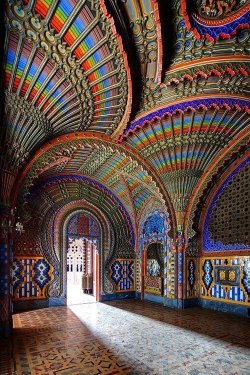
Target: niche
[154, 262]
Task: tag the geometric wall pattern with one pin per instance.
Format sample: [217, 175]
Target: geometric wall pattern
[169, 275]
[153, 285]
[154, 228]
[138, 274]
[122, 273]
[225, 279]
[192, 270]
[227, 222]
[82, 224]
[30, 277]
[3, 264]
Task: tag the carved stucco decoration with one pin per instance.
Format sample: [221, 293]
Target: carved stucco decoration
[36, 31]
[214, 19]
[184, 82]
[188, 48]
[183, 144]
[17, 149]
[144, 21]
[218, 8]
[96, 164]
[25, 27]
[193, 210]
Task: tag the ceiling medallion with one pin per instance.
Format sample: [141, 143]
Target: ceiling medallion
[214, 19]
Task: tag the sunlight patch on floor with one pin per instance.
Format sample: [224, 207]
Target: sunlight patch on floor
[75, 295]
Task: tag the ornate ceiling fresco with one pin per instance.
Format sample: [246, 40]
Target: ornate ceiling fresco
[143, 98]
[111, 166]
[66, 70]
[181, 145]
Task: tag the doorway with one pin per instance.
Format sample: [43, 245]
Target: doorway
[153, 272]
[81, 270]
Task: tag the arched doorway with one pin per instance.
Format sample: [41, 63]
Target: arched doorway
[82, 260]
[153, 271]
[154, 244]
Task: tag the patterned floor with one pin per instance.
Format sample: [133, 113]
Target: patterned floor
[130, 337]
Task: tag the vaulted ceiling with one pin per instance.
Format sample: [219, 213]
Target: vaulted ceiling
[146, 98]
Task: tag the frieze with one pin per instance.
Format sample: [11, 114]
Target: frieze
[186, 139]
[213, 67]
[181, 107]
[189, 84]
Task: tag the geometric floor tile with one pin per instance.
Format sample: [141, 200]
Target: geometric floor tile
[6, 357]
[130, 337]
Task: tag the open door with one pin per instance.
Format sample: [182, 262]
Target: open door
[81, 270]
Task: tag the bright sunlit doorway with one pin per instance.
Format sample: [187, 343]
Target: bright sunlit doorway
[82, 260]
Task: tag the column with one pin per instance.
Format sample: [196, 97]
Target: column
[179, 244]
[143, 271]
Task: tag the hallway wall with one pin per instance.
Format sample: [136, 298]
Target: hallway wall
[218, 273]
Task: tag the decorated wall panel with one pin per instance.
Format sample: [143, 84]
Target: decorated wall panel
[108, 142]
[227, 224]
[154, 228]
[138, 273]
[170, 274]
[83, 224]
[192, 277]
[31, 276]
[28, 243]
[123, 274]
[225, 279]
[153, 285]
[3, 263]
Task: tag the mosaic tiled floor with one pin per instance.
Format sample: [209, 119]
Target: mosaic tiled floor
[130, 337]
[6, 357]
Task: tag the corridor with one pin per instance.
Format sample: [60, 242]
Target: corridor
[128, 337]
